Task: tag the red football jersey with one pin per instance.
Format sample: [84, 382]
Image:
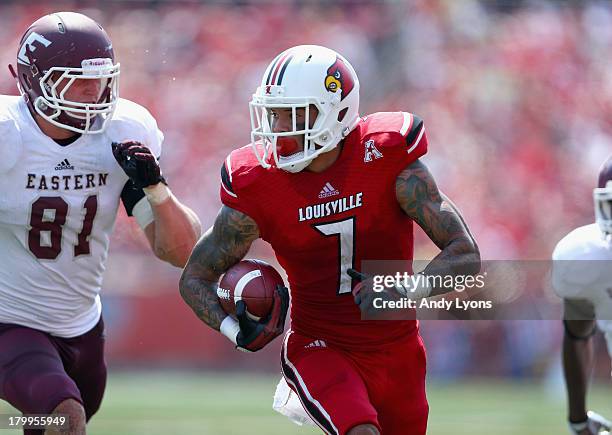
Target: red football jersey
[321, 224]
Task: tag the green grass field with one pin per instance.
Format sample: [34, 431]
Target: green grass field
[224, 404]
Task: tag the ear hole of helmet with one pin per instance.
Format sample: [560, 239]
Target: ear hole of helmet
[342, 114]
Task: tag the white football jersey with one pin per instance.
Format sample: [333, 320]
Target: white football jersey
[57, 210]
[582, 269]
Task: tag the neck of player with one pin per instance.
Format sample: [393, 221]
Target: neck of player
[325, 160]
[53, 131]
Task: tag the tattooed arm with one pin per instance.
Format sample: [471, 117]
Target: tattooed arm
[419, 197]
[222, 246]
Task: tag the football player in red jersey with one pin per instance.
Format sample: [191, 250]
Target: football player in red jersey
[329, 189]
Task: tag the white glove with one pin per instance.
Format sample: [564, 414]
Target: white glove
[593, 425]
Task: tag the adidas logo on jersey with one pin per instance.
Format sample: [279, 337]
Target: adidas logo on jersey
[64, 164]
[327, 191]
[316, 343]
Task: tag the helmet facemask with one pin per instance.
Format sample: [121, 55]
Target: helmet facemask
[78, 116]
[602, 197]
[268, 145]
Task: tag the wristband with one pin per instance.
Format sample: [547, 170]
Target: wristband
[157, 194]
[143, 213]
[230, 328]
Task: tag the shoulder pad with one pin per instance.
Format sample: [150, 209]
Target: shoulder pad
[131, 121]
[10, 142]
[583, 243]
[9, 106]
[401, 125]
[573, 271]
[240, 169]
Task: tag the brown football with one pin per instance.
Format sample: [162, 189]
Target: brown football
[254, 282]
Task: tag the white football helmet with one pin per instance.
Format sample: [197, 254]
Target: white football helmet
[296, 79]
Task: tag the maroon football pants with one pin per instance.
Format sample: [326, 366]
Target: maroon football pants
[39, 371]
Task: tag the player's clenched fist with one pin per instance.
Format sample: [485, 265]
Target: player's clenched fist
[255, 335]
[364, 294]
[138, 163]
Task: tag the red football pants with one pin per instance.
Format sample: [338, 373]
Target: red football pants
[341, 389]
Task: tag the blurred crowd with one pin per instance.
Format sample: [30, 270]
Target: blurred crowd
[516, 98]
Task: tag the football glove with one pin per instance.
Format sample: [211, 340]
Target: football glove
[138, 163]
[593, 425]
[364, 294]
[254, 335]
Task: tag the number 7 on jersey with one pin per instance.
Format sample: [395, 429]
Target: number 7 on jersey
[344, 230]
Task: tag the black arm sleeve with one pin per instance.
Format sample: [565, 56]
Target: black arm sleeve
[130, 195]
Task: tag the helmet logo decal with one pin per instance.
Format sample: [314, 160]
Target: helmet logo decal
[28, 46]
[339, 78]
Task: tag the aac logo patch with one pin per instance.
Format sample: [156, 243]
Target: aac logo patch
[371, 151]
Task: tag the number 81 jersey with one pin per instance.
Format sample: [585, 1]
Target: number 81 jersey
[321, 224]
[57, 210]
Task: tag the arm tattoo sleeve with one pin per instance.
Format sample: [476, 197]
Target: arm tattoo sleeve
[222, 246]
[419, 197]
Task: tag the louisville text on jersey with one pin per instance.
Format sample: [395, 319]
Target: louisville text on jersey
[66, 182]
[325, 209]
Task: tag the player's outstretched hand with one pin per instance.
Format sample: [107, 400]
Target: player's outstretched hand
[138, 163]
[255, 335]
[593, 425]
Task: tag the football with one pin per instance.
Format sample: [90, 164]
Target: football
[254, 282]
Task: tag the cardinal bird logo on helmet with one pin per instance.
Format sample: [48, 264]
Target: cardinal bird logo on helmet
[339, 78]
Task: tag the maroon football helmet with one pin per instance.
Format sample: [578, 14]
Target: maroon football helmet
[602, 195]
[57, 51]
